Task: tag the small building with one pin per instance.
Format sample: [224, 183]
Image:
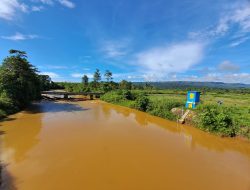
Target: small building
[193, 99]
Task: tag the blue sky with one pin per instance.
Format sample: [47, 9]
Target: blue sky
[138, 40]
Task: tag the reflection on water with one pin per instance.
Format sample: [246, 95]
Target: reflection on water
[95, 145]
[30, 127]
[51, 107]
[191, 135]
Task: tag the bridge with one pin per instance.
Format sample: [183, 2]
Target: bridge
[66, 95]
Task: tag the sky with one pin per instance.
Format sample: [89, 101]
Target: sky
[138, 40]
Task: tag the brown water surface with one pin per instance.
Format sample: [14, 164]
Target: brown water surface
[98, 146]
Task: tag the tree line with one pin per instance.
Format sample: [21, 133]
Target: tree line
[96, 84]
[20, 83]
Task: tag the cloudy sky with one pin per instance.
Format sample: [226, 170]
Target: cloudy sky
[138, 40]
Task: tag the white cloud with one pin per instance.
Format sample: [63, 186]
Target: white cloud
[220, 77]
[242, 17]
[239, 41]
[128, 76]
[158, 62]
[51, 74]
[37, 8]
[237, 16]
[115, 49]
[67, 3]
[9, 8]
[227, 66]
[80, 75]
[19, 37]
[237, 77]
[48, 2]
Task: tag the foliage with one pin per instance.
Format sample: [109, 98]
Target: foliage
[162, 108]
[113, 97]
[125, 85]
[127, 94]
[19, 80]
[85, 80]
[141, 102]
[19, 83]
[159, 98]
[2, 113]
[108, 75]
[45, 82]
[217, 119]
[6, 105]
[225, 120]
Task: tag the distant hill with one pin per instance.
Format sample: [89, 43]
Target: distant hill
[188, 84]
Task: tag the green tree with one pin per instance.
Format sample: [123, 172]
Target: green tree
[96, 78]
[18, 53]
[148, 86]
[19, 79]
[142, 102]
[108, 75]
[85, 80]
[45, 82]
[125, 85]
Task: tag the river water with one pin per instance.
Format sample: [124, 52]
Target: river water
[98, 146]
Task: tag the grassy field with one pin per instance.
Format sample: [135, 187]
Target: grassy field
[228, 99]
[239, 103]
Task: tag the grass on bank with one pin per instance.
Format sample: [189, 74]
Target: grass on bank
[230, 119]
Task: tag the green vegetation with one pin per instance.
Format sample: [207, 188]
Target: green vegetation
[19, 83]
[217, 119]
[141, 101]
[235, 105]
[232, 118]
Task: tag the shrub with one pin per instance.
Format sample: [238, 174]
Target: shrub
[6, 104]
[129, 95]
[217, 119]
[2, 114]
[112, 97]
[119, 96]
[141, 103]
[162, 108]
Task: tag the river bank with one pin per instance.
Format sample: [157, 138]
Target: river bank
[221, 120]
[95, 145]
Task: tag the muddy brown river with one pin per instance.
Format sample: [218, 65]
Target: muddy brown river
[98, 146]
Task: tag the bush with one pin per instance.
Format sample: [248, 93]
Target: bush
[128, 95]
[162, 108]
[6, 104]
[141, 102]
[113, 97]
[119, 96]
[2, 114]
[217, 119]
